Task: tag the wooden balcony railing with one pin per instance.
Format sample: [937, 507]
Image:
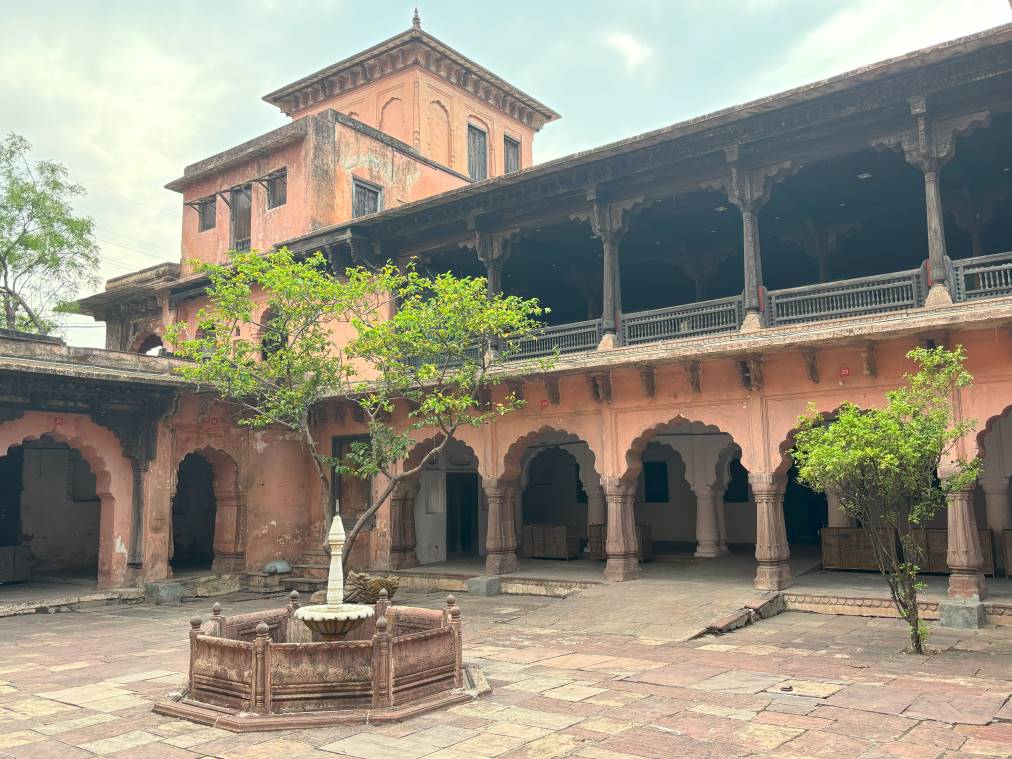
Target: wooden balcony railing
[710, 317]
[981, 277]
[849, 297]
[564, 338]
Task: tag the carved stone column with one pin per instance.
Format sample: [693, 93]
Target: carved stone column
[771, 549]
[963, 555]
[836, 518]
[707, 526]
[402, 526]
[621, 546]
[718, 500]
[597, 508]
[996, 498]
[501, 539]
[229, 532]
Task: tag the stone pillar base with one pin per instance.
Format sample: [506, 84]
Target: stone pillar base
[501, 563]
[752, 322]
[723, 550]
[608, 341]
[622, 568]
[962, 615]
[967, 585]
[228, 564]
[938, 295]
[773, 576]
[403, 559]
[708, 551]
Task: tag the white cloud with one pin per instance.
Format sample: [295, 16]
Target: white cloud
[634, 52]
[867, 31]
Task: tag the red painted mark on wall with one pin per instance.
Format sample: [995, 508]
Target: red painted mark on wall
[544, 403]
[844, 371]
[58, 421]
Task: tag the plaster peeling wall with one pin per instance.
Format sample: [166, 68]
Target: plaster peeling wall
[59, 508]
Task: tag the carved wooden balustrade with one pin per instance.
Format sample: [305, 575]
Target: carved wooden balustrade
[564, 338]
[981, 277]
[710, 317]
[877, 294]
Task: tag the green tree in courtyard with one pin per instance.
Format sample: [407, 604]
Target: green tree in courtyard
[884, 465]
[418, 356]
[46, 251]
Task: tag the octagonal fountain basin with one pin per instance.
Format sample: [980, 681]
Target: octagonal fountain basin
[333, 622]
[302, 667]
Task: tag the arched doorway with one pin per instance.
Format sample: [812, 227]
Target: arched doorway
[50, 512]
[806, 512]
[449, 513]
[194, 511]
[556, 502]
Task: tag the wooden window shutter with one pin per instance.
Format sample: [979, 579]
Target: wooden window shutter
[511, 155]
[477, 153]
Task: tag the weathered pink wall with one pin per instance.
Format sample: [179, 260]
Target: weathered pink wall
[432, 115]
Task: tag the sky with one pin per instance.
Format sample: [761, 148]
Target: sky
[126, 93]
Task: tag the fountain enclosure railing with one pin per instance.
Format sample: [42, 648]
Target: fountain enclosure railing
[264, 670]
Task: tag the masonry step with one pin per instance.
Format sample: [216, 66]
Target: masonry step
[304, 584]
[318, 571]
[54, 601]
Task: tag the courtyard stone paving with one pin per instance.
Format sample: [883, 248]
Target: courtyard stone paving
[566, 685]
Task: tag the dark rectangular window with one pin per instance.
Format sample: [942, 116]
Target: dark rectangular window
[277, 188]
[349, 496]
[477, 153]
[207, 213]
[241, 202]
[655, 482]
[510, 155]
[367, 198]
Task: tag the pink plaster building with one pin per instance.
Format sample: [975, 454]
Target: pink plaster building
[707, 281]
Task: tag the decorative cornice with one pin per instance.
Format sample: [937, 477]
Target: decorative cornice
[414, 47]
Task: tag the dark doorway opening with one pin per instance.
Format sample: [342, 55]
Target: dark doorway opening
[193, 515]
[11, 467]
[805, 511]
[463, 495]
[50, 513]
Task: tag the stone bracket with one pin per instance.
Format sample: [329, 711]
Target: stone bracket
[693, 371]
[600, 386]
[553, 391]
[752, 373]
[648, 380]
[812, 364]
[868, 360]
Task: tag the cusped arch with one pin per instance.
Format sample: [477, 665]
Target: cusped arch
[514, 459]
[634, 453]
[147, 341]
[100, 447]
[424, 447]
[223, 464]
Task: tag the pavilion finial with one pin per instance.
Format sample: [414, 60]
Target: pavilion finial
[416, 20]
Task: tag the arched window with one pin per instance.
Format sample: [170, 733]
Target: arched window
[151, 345]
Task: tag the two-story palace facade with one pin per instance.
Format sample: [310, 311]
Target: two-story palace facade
[707, 281]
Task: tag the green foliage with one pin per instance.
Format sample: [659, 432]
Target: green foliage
[46, 251]
[418, 357]
[884, 466]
